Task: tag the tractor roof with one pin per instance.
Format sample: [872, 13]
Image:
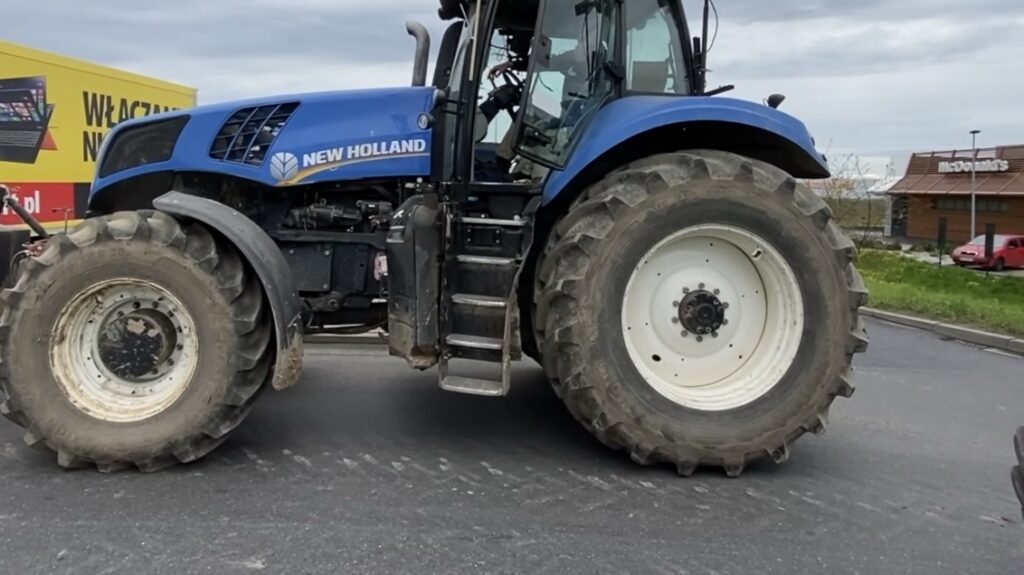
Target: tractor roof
[521, 14]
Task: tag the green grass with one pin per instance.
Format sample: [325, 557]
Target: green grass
[900, 284]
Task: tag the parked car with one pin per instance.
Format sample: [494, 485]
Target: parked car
[1007, 252]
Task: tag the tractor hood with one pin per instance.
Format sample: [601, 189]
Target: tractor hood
[281, 141]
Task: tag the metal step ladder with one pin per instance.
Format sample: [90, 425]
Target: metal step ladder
[480, 309]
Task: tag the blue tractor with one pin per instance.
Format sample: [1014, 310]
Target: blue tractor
[565, 189]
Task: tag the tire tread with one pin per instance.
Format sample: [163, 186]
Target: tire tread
[237, 282]
[560, 282]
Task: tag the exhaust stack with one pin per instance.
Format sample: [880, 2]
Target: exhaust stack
[419, 68]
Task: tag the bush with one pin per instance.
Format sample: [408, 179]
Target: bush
[873, 243]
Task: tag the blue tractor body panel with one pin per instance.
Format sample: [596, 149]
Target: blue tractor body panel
[329, 136]
[625, 118]
[375, 134]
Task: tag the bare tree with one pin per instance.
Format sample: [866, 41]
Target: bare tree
[847, 192]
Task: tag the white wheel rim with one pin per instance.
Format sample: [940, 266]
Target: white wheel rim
[749, 354]
[107, 334]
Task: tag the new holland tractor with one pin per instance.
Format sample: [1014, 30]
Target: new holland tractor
[566, 188]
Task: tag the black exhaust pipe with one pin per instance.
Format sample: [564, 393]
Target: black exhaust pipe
[419, 67]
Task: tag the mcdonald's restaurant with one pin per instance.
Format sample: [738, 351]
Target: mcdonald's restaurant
[939, 185]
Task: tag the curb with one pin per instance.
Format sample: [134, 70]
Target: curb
[969, 335]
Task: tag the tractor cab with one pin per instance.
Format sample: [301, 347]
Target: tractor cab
[523, 79]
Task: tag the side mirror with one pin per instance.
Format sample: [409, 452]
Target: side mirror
[419, 66]
[776, 100]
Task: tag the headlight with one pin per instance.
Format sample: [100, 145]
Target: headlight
[142, 145]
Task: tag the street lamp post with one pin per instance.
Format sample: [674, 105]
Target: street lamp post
[974, 183]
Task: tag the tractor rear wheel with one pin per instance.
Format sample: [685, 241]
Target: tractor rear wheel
[700, 309]
[133, 341]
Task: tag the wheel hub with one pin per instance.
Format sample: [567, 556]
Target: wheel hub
[138, 346]
[124, 350]
[702, 313]
[735, 323]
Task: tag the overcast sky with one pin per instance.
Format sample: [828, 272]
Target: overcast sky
[872, 77]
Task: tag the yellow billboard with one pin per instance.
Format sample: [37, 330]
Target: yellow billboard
[54, 114]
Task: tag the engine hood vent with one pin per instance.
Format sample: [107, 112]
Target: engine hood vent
[247, 135]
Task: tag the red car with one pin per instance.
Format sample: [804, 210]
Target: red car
[1007, 252]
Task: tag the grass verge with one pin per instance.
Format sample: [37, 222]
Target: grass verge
[900, 284]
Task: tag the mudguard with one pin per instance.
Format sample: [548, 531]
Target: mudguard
[627, 118]
[270, 266]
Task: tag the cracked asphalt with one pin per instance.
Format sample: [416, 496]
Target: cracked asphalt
[367, 467]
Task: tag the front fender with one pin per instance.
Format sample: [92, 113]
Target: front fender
[631, 117]
[270, 266]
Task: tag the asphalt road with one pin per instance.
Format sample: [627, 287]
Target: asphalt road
[369, 468]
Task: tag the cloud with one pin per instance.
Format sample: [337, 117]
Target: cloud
[873, 77]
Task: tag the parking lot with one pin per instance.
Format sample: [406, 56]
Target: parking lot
[367, 467]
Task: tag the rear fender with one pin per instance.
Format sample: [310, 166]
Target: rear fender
[633, 127]
[270, 266]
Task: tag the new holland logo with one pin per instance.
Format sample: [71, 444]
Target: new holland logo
[284, 166]
[289, 169]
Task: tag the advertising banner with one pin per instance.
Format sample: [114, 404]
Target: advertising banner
[54, 113]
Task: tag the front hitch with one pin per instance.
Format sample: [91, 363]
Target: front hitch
[12, 203]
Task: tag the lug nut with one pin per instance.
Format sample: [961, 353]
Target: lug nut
[701, 286]
[686, 290]
[675, 320]
[686, 334]
[717, 291]
[725, 305]
[700, 339]
[714, 334]
[725, 322]
[675, 304]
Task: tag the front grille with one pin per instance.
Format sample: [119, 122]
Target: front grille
[247, 135]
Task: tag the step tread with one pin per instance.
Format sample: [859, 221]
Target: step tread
[494, 222]
[479, 300]
[485, 260]
[473, 386]
[475, 342]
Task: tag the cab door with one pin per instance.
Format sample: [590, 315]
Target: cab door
[571, 75]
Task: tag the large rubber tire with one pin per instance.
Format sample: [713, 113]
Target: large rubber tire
[208, 277]
[583, 275]
[1000, 265]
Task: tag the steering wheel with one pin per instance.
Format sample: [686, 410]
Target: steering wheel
[505, 96]
[506, 74]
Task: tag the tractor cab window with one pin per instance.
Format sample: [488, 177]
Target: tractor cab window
[570, 78]
[454, 92]
[653, 48]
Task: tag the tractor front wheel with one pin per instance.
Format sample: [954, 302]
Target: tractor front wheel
[699, 308]
[132, 341]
